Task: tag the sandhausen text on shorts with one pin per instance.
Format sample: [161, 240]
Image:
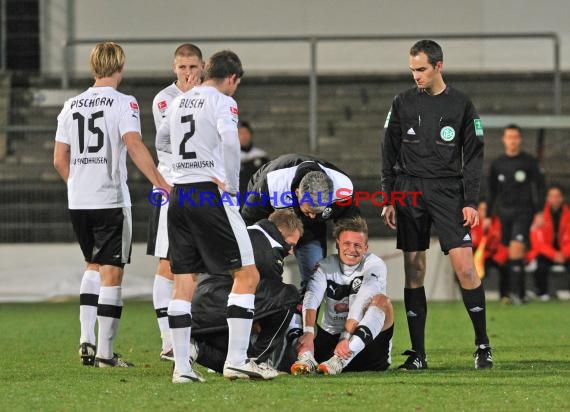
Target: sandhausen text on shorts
[342, 197]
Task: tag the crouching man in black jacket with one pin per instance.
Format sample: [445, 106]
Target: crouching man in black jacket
[272, 239]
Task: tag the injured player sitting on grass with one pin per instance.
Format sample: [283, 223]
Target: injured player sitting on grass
[355, 332]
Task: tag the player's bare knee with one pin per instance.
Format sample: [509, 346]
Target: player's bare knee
[468, 278]
[164, 270]
[465, 271]
[381, 301]
[414, 268]
[246, 278]
[93, 266]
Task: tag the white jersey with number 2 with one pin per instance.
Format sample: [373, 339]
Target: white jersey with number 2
[201, 133]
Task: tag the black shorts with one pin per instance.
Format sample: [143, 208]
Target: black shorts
[441, 202]
[205, 233]
[157, 238]
[376, 356]
[515, 225]
[104, 235]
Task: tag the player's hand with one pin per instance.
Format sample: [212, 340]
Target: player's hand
[306, 343]
[470, 217]
[193, 79]
[222, 186]
[342, 349]
[163, 185]
[389, 216]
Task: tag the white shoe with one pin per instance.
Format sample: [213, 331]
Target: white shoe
[333, 366]
[305, 364]
[563, 294]
[193, 376]
[249, 370]
[531, 295]
[269, 366]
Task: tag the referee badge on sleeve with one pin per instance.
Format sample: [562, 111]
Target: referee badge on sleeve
[478, 124]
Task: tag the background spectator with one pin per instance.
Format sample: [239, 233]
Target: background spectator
[489, 252]
[251, 157]
[551, 241]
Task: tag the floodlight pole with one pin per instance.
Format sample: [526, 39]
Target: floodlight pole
[313, 141]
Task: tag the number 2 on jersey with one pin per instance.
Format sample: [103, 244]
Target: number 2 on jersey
[182, 150]
[92, 128]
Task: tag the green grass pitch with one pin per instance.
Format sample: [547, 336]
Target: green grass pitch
[40, 369]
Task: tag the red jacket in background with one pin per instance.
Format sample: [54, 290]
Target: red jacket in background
[542, 238]
[494, 249]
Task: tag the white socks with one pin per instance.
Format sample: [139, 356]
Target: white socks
[367, 330]
[108, 315]
[161, 296]
[88, 299]
[180, 322]
[240, 318]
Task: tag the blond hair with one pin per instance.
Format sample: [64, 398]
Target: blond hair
[106, 59]
[188, 50]
[355, 224]
[286, 221]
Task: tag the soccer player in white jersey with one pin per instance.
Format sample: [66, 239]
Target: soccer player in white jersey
[188, 67]
[205, 230]
[95, 130]
[355, 333]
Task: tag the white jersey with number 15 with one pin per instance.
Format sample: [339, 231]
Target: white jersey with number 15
[93, 124]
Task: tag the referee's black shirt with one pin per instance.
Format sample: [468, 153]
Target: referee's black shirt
[517, 182]
[433, 137]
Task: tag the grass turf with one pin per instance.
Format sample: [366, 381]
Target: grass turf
[40, 370]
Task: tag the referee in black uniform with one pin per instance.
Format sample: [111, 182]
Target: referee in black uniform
[517, 182]
[433, 143]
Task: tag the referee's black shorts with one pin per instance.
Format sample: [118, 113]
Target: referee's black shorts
[205, 232]
[441, 202]
[515, 225]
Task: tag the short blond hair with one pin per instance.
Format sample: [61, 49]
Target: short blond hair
[354, 224]
[286, 221]
[188, 50]
[106, 59]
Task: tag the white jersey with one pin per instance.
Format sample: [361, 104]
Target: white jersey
[346, 290]
[93, 124]
[201, 133]
[161, 102]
